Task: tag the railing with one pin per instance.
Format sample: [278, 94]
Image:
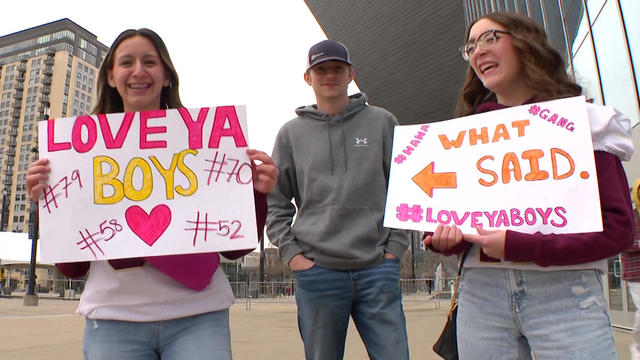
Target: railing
[428, 290]
[64, 289]
[413, 290]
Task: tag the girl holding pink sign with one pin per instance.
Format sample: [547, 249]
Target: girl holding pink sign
[558, 310]
[161, 307]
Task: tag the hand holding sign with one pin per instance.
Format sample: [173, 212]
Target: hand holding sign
[37, 177]
[491, 241]
[447, 237]
[265, 174]
[444, 238]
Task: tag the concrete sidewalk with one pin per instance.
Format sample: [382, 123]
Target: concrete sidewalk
[51, 330]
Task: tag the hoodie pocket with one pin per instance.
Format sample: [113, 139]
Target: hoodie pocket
[348, 232]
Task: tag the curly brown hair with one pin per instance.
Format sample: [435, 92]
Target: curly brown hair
[543, 66]
[110, 101]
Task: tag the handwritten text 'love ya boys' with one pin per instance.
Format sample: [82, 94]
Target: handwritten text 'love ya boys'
[86, 129]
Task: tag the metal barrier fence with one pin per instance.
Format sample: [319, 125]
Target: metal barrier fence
[427, 290]
[62, 288]
[413, 290]
[264, 292]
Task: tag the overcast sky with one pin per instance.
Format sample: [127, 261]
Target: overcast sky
[239, 52]
[236, 52]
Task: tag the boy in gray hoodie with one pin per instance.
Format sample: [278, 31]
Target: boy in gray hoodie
[334, 161]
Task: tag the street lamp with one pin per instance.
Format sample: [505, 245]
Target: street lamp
[262, 259]
[30, 298]
[415, 237]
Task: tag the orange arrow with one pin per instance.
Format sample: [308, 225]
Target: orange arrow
[428, 180]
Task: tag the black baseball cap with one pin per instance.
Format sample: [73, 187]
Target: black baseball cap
[327, 50]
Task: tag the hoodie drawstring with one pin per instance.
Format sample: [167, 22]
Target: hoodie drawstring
[344, 144]
[330, 149]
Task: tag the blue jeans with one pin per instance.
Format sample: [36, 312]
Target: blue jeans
[204, 336]
[510, 314]
[634, 289]
[327, 298]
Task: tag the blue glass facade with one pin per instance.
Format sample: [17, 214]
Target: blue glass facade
[600, 40]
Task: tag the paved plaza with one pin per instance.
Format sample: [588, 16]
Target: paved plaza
[268, 331]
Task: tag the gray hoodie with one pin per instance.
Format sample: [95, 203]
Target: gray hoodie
[336, 168]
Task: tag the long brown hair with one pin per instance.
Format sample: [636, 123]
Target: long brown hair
[110, 101]
[543, 66]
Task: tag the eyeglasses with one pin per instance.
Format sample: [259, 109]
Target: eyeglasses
[485, 40]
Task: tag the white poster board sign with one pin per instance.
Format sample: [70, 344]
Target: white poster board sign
[527, 168]
[147, 183]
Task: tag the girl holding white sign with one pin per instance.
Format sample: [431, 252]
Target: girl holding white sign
[556, 310]
[162, 307]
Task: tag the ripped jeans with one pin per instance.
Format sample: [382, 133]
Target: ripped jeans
[512, 314]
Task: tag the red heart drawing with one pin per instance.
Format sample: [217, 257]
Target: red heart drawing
[148, 227]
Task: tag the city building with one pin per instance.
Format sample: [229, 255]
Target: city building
[15, 255]
[45, 71]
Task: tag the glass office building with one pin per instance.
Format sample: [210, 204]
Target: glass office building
[600, 40]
